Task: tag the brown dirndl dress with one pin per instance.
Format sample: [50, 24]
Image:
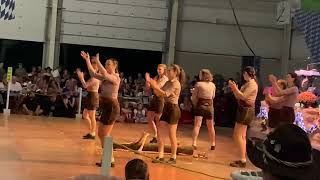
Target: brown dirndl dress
[171, 113]
[245, 113]
[204, 108]
[92, 101]
[110, 110]
[156, 104]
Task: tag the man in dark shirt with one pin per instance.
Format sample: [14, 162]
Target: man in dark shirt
[31, 105]
[2, 70]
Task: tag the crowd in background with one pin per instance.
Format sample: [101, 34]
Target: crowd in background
[48, 92]
[40, 91]
[44, 91]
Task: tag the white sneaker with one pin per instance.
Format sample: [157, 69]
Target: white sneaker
[247, 175]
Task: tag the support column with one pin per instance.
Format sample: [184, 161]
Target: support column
[50, 34]
[58, 35]
[173, 32]
[286, 46]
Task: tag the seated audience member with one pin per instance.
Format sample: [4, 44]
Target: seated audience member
[20, 72]
[140, 80]
[140, 114]
[286, 154]
[2, 85]
[2, 70]
[1, 98]
[186, 111]
[126, 112]
[186, 105]
[69, 103]
[47, 104]
[126, 90]
[59, 109]
[33, 71]
[137, 169]
[65, 76]
[15, 85]
[31, 105]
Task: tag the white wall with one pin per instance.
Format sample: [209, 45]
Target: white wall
[29, 22]
[208, 37]
[132, 24]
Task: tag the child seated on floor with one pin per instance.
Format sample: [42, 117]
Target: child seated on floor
[140, 114]
[31, 105]
[126, 112]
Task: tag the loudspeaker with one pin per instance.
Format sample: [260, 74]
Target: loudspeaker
[253, 61]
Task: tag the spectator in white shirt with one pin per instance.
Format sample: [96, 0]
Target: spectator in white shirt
[15, 85]
[2, 86]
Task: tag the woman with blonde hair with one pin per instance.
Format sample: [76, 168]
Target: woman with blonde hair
[157, 103]
[202, 100]
[155, 107]
[246, 97]
[171, 111]
[109, 103]
[91, 103]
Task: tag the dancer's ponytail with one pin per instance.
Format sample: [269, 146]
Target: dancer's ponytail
[181, 75]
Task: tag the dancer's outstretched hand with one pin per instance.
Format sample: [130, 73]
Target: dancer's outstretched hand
[80, 74]
[232, 84]
[85, 56]
[97, 58]
[148, 79]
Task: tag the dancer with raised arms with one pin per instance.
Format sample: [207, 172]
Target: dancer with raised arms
[91, 102]
[109, 103]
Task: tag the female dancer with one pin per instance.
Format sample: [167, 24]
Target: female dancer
[275, 106]
[109, 95]
[91, 102]
[171, 111]
[156, 106]
[202, 97]
[246, 111]
[290, 96]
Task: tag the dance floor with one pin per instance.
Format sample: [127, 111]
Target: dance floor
[39, 148]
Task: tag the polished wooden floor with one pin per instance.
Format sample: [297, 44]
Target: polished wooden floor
[39, 148]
